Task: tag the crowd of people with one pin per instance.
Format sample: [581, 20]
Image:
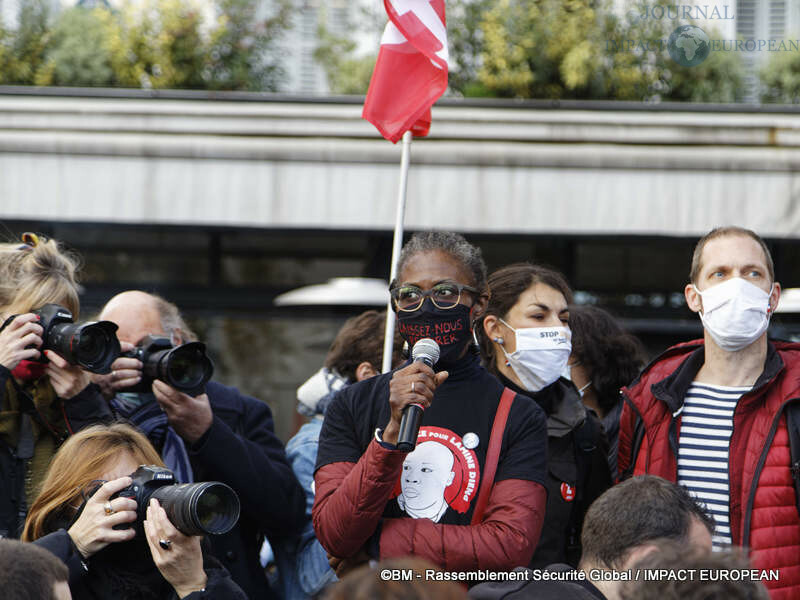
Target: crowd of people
[545, 446]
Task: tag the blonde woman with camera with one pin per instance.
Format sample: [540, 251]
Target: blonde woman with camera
[43, 399]
[81, 519]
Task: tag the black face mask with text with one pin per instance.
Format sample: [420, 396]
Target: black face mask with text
[450, 328]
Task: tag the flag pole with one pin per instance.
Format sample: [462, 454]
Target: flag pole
[397, 244]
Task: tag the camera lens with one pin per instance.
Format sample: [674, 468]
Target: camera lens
[217, 508]
[185, 368]
[200, 508]
[93, 346]
[92, 343]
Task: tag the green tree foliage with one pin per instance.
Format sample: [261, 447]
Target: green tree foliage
[160, 45]
[780, 78]
[720, 78]
[79, 52]
[243, 46]
[345, 72]
[6, 54]
[581, 49]
[146, 43]
[465, 41]
[24, 49]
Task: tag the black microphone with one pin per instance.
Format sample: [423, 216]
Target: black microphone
[426, 351]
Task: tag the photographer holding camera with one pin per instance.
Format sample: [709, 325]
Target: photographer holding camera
[83, 516]
[43, 398]
[220, 434]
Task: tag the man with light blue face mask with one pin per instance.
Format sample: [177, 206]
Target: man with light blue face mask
[712, 414]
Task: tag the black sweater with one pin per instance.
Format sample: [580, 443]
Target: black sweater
[88, 580]
[575, 476]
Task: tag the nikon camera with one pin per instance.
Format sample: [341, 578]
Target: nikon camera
[209, 507]
[185, 367]
[92, 345]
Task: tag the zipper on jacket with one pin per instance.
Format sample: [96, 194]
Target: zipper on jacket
[748, 513]
[636, 443]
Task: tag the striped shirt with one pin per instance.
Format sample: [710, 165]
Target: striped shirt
[706, 427]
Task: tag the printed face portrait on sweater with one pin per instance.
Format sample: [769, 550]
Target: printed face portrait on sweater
[427, 471]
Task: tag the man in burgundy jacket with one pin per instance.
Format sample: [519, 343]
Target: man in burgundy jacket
[711, 414]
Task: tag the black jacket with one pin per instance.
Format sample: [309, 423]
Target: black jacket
[241, 450]
[87, 408]
[532, 585]
[577, 470]
[88, 581]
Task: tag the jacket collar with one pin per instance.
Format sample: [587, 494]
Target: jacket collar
[559, 400]
[672, 389]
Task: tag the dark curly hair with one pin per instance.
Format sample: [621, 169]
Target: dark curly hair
[612, 356]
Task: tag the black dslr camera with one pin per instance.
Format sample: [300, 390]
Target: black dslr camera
[194, 508]
[186, 367]
[93, 345]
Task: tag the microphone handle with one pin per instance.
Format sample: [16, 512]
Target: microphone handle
[411, 419]
[409, 428]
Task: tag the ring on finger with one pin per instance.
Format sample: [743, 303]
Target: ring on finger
[412, 386]
[109, 510]
[165, 544]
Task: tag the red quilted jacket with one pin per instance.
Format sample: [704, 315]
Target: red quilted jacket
[763, 512]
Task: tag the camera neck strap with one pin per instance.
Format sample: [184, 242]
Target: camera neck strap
[28, 406]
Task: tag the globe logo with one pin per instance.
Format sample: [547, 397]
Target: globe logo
[689, 45]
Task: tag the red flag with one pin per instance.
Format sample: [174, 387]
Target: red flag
[411, 71]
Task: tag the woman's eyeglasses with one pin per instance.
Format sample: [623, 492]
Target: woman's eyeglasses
[409, 298]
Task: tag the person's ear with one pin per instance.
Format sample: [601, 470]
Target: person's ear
[693, 300]
[638, 553]
[774, 297]
[176, 337]
[365, 370]
[479, 308]
[491, 327]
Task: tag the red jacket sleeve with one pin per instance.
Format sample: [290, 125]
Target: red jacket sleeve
[625, 448]
[350, 498]
[505, 538]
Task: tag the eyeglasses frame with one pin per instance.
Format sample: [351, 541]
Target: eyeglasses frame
[428, 294]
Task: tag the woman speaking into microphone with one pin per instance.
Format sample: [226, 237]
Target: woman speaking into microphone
[470, 495]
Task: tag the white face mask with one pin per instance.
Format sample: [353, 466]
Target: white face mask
[736, 313]
[541, 355]
[567, 374]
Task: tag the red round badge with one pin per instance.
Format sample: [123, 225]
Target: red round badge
[567, 492]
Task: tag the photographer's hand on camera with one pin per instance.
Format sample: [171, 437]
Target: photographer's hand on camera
[125, 373]
[414, 384]
[20, 340]
[94, 529]
[67, 380]
[181, 562]
[189, 416]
